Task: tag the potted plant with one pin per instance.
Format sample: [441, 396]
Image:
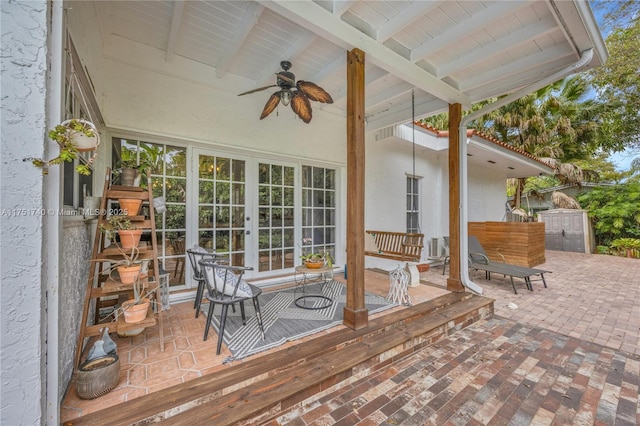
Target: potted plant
[72, 136]
[630, 247]
[128, 266]
[129, 234]
[317, 260]
[130, 171]
[135, 310]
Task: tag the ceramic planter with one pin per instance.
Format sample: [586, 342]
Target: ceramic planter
[97, 377]
[314, 264]
[83, 142]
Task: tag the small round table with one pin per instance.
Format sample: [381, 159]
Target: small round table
[301, 302]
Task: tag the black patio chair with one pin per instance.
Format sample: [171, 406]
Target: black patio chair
[225, 287]
[196, 254]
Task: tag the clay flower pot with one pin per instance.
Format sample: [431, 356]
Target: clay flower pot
[128, 274]
[130, 206]
[129, 238]
[135, 313]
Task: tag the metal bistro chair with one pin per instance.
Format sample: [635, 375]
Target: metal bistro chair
[225, 287]
[196, 254]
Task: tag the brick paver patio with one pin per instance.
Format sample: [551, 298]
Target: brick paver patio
[568, 355]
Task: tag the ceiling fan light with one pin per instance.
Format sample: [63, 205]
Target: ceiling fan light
[285, 97]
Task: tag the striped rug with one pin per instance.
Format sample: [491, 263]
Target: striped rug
[284, 321]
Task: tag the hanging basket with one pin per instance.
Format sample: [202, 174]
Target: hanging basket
[83, 142]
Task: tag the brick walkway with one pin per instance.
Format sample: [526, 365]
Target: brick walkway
[568, 355]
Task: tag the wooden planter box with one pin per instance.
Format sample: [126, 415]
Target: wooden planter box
[521, 243]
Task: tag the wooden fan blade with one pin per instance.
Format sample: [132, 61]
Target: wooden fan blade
[257, 90]
[314, 92]
[301, 106]
[271, 104]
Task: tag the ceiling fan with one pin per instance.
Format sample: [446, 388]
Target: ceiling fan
[297, 93]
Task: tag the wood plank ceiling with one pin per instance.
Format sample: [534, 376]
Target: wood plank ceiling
[450, 51]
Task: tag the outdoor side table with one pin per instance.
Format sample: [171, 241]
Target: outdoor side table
[310, 301]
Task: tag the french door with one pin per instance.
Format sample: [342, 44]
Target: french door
[261, 214]
[222, 216]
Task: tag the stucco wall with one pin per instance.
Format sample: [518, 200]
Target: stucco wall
[388, 162]
[74, 270]
[22, 294]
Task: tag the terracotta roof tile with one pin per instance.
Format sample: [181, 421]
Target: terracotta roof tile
[472, 132]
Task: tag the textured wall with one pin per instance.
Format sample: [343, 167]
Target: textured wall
[22, 301]
[74, 269]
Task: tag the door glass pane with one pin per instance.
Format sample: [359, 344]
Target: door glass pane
[318, 210]
[166, 165]
[221, 209]
[275, 217]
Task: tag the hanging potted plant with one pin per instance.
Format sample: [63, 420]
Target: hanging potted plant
[128, 233]
[72, 136]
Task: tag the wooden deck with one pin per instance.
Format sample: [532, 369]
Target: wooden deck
[270, 385]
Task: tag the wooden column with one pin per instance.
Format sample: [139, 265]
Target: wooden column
[453, 281]
[356, 315]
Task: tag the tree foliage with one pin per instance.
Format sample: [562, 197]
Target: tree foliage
[614, 211]
[616, 81]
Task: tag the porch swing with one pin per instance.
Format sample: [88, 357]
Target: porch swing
[402, 246]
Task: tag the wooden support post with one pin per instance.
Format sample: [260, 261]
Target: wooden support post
[453, 282]
[356, 315]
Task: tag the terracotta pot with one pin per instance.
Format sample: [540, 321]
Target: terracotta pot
[130, 206]
[129, 238]
[135, 313]
[128, 274]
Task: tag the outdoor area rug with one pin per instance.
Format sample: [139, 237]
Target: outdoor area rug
[284, 321]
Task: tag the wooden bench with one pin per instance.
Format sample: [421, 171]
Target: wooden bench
[396, 245]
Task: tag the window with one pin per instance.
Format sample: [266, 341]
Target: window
[79, 103]
[167, 168]
[318, 210]
[413, 205]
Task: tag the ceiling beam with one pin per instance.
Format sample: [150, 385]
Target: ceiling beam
[248, 21]
[402, 20]
[341, 6]
[400, 114]
[174, 30]
[510, 41]
[315, 18]
[478, 21]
